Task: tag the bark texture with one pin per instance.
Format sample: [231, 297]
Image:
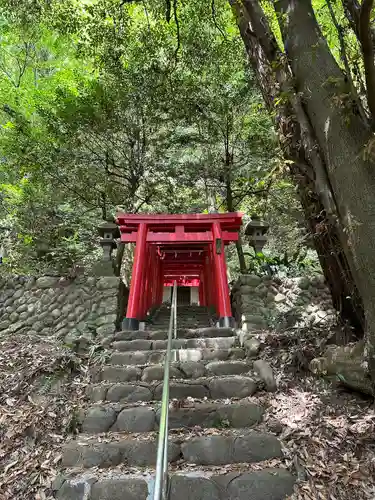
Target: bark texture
[342, 139]
[300, 146]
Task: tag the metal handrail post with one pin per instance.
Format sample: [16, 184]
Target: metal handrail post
[161, 476]
[175, 310]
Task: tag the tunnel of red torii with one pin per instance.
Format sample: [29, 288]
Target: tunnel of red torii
[185, 248]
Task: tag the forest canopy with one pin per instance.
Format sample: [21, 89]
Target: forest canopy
[113, 104]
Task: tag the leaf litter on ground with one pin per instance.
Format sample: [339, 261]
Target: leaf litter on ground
[42, 392]
[328, 433]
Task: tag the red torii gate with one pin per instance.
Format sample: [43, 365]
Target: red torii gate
[187, 248]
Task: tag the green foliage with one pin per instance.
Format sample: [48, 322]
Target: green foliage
[108, 105]
[294, 265]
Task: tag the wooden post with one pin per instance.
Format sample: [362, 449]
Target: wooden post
[221, 281]
[131, 322]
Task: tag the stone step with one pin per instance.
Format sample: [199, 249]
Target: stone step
[147, 345]
[151, 357]
[124, 418]
[186, 323]
[185, 310]
[182, 333]
[184, 307]
[178, 370]
[199, 484]
[182, 319]
[181, 324]
[210, 388]
[182, 310]
[232, 447]
[192, 315]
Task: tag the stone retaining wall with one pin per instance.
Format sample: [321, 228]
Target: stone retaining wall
[264, 302]
[84, 307]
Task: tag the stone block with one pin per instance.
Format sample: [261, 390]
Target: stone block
[139, 419]
[264, 370]
[252, 345]
[266, 484]
[303, 283]
[208, 450]
[99, 419]
[37, 326]
[250, 280]
[120, 373]
[143, 453]
[279, 298]
[105, 330]
[254, 319]
[210, 332]
[132, 345]
[212, 343]
[227, 367]
[156, 372]
[107, 282]
[21, 308]
[98, 455]
[5, 324]
[97, 393]
[241, 415]
[109, 319]
[193, 488]
[76, 490]
[134, 335]
[261, 291]
[256, 447]
[220, 450]
[182, 390]
[47, 282]
[130, 358]
[236, 415]
[228, 387]
[109, 306]
[215, 354]
[120, 489]
[176, 344]
[17, 294]
[192, 369]
[129, 393]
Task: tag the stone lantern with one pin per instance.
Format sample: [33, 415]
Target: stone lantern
[256, 229]
[108, 232]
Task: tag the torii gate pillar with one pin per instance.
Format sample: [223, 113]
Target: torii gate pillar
[224, 309]
[131, 321]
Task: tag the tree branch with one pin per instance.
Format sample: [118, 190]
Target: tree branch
[22, 67]
[352, 9]
[177, 27]
[213, 10]
[344, 57]
[167, 10]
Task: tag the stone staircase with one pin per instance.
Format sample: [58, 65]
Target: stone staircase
[188, 317]
[213, 421]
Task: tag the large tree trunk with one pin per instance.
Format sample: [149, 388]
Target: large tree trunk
[307, 167]
[342, 138]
